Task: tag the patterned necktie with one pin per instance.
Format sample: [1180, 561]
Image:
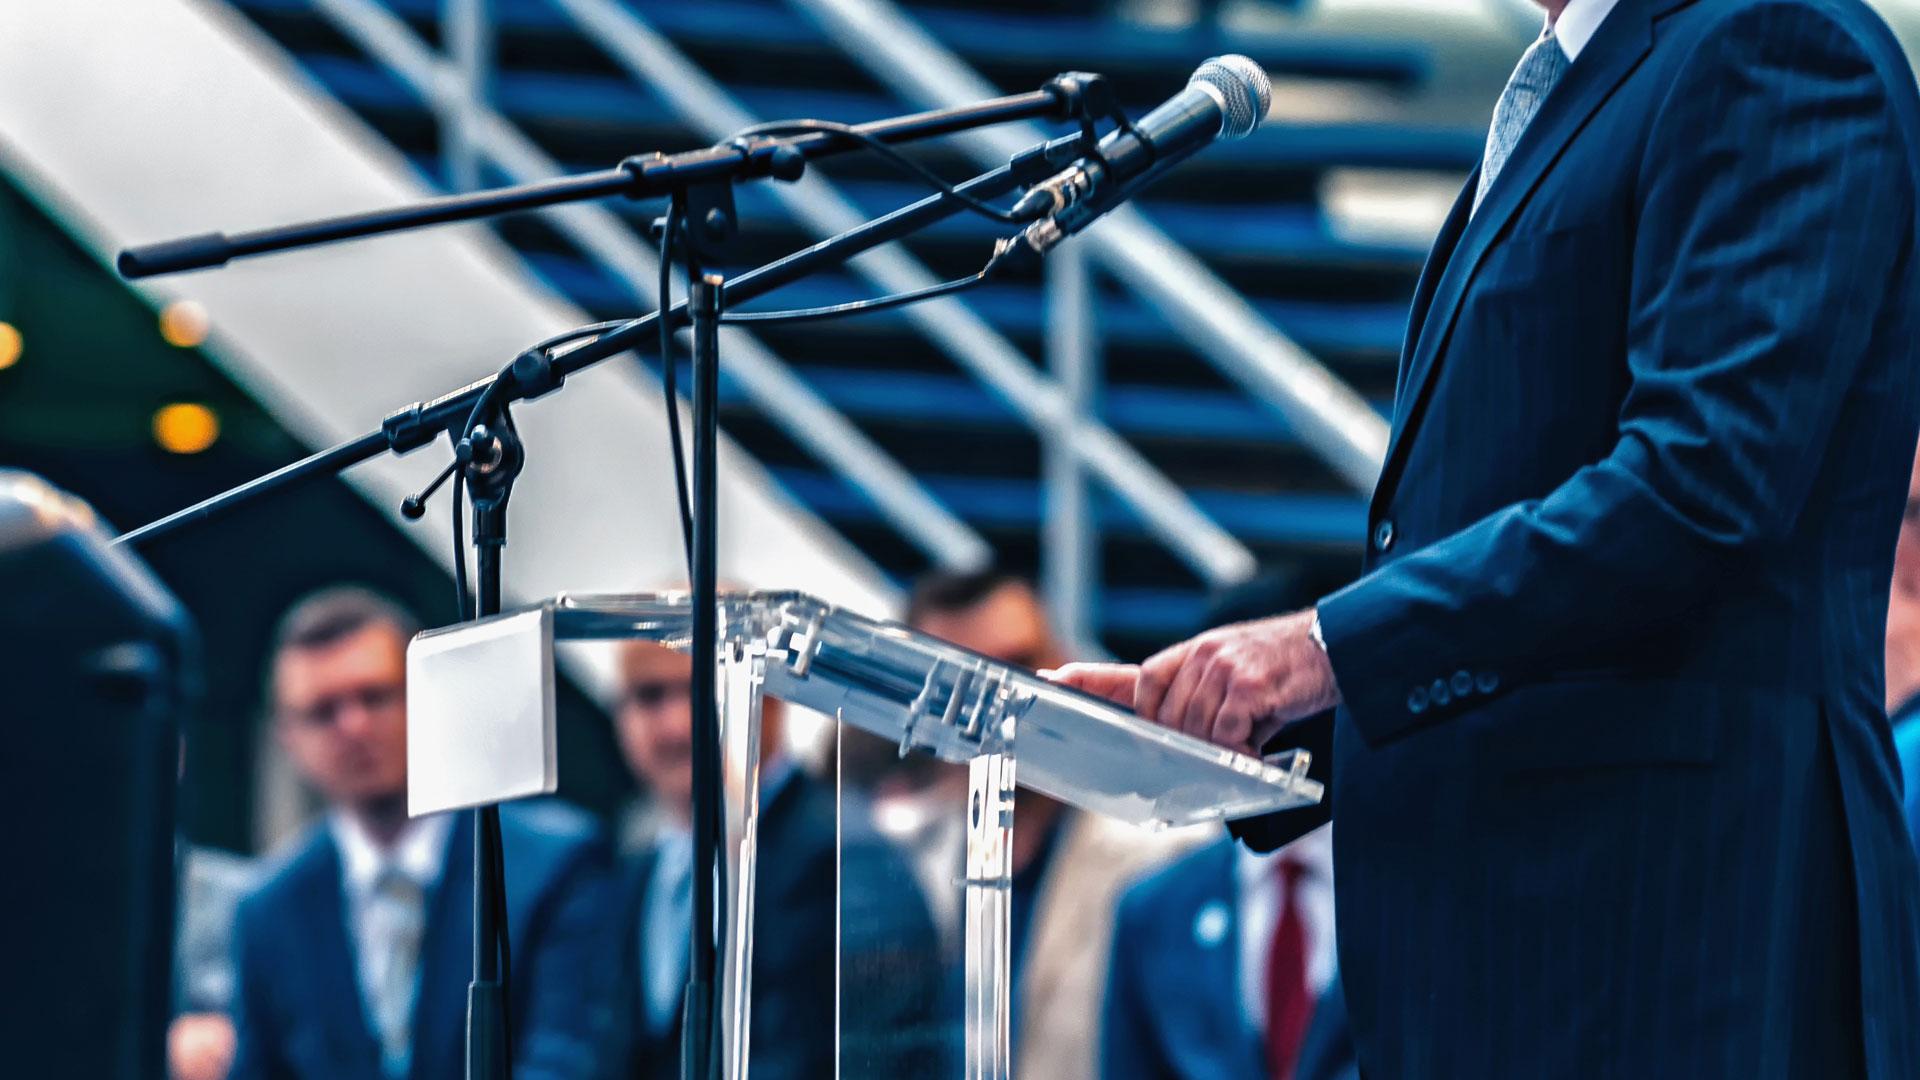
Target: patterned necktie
[1539, 70]
[396, 916]
[1289, 1001]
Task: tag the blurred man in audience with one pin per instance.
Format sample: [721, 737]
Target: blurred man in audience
[888, 961]
[1068, 866]
[354, 955]
[1247, 940]
[1903, 652]
[1247, 937]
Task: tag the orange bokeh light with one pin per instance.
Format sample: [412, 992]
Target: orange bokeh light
[10, 345]
[185, 428]
[184, 323]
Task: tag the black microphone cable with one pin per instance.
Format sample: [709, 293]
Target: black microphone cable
[668, 378]
[886, 150]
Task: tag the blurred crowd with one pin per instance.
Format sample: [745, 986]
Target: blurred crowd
[1128, 948]
[310, 961]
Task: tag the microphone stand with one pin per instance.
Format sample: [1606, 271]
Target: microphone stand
[706, 218]
[477, 421]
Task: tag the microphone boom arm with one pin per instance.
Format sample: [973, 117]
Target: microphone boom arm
[1067, 96]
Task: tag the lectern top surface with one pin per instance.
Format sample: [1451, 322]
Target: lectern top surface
[934, 697]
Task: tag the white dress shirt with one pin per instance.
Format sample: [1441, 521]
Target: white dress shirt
[419, 854]
[1577, 24]
[1260, 908]
[666, 921]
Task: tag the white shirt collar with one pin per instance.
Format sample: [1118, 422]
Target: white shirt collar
[1314, 851]
[648, 824]
[418, 852]
[1578, 23]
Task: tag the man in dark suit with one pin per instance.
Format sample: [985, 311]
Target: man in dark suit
[353, 956]
[891, 1016]
[1248, 940]
[1610, 760]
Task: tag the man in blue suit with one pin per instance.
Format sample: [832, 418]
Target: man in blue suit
[1610, 760]
[1258, 986]
[353, 955]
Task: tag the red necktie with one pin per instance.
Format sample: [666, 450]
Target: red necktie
[1289, 1002]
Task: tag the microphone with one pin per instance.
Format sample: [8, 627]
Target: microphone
[1227, 97]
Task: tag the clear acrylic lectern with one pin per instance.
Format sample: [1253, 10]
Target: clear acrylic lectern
[481, 691]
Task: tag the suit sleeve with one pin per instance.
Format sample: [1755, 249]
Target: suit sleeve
[561, 1032]
[1775, 202]
[1271, 832]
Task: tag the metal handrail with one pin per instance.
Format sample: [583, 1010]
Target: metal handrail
[801, 413]
[1332, 419]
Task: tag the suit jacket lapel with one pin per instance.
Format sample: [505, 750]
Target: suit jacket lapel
[1621, 43]
[330, 959]
[1436, 265]
[1201, 953]
[446, 961]
[1328, 1046]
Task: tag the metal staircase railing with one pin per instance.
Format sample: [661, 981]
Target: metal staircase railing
[1077, 442]
[1333, 420]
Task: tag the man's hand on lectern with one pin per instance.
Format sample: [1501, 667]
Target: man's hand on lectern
[1234, 686]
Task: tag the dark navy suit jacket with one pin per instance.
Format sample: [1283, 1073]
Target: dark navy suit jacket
[897, 1020]
[1615, 787]
[1173, 1008]
[299, 1007]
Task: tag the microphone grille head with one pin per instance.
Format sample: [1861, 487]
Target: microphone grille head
[1245, 88]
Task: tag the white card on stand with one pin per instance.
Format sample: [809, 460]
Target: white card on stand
[480, 713]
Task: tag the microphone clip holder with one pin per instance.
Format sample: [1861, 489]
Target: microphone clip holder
[1084, 97]
[494, 457]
